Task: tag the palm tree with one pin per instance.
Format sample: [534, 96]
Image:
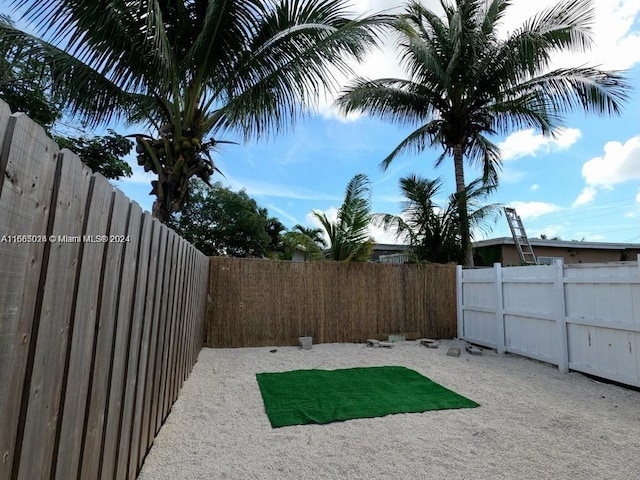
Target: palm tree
[313, 234]
[295, 240]
[191, 69]
[467, 83]
[348, 235]
[434, 232]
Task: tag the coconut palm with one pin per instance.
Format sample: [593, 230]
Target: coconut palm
[466, 83]
[433, 231]
[192, 68]
[348, 235]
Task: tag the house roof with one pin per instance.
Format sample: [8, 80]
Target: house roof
[389, 247]
[537, 242]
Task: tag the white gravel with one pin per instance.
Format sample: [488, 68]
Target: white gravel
[533, 422]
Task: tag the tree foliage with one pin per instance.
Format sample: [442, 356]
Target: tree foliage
[313, 234]
[218, 221]
[466, 83]
[25, 85]
[348, 235]
[434, 231]
[102, 154]
[25, 81]
[193, 69]
[310, 241]
[293, 240]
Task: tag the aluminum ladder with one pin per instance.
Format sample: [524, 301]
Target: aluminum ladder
[520, 238]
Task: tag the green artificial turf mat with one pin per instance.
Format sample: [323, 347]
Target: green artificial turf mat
[323, 396]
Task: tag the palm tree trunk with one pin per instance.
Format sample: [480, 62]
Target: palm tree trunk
[158, 212]
[458, 163]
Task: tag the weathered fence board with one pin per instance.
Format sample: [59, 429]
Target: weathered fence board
[120, 352]
[146, 436]
[584, 317]
[156, 406]
[165, 379]
[267, 302]
[53, 317]
[137, 338]
[104, 341]
[81, 315]
[71, 423]
[27, 165]
[135, 457]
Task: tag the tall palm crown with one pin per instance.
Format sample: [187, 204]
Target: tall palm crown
[466, 83]
[190, 67]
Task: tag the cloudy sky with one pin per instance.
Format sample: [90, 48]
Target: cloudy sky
[582, 184]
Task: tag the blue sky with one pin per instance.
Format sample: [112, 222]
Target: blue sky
[584, 184]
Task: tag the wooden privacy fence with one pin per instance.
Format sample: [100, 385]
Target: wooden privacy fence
[102, 315]
[583, 317]
[265, 302]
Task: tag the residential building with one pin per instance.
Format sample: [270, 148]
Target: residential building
[503, 250]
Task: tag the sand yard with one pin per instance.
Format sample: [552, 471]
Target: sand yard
[533, 422]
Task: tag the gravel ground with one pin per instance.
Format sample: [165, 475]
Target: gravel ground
[533, 422]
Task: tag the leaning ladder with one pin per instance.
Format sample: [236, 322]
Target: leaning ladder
[520, 237]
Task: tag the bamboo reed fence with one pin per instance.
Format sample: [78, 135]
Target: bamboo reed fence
[102, 314]
[255, 302]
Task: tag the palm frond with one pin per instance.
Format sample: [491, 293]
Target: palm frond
[83, 90]
[348, 235]
[417, 141]
[582, 88]
[392, 99]
[284, 70]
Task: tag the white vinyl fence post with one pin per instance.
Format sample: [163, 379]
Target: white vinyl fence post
[560, 314]
[501, 344]
[459, 305]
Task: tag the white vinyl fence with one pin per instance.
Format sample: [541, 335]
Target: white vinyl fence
[583, 317]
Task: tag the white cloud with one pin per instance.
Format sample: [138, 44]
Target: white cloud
[331, 214]
[615, 45]
[620, 162]
[550, 231]
[139, 176]
[586, 196]
[261, 188]
[534, 188]
[381, 235]
[529, 143]
[511, 175]
[533, 209]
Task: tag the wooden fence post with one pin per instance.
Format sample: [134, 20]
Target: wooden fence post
[560, 314]
[501, 345]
